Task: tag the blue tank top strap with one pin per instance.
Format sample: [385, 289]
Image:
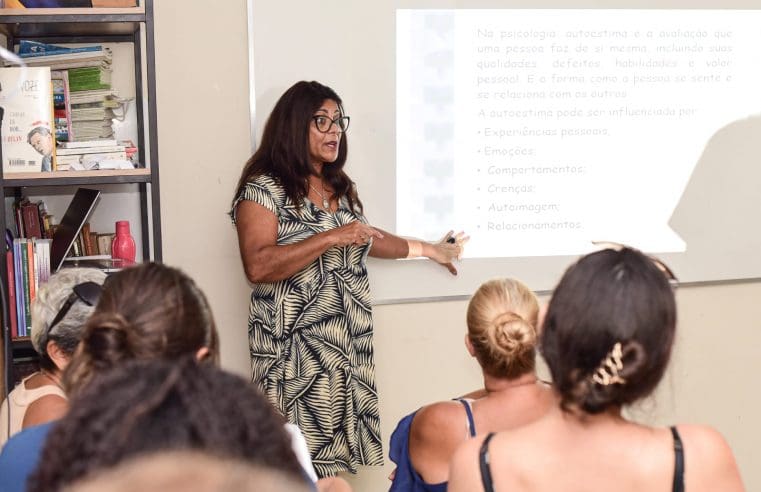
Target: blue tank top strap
[678, 461]
[484, 465]
[469, 413]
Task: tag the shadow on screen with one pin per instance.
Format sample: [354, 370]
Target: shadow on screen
[719, 213]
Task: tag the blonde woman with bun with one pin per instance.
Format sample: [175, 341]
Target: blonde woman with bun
[607, 339]
[502, 337]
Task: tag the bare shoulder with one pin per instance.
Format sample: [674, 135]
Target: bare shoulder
[709, 461]
[45, 409]
[440, 422]
[464, 473]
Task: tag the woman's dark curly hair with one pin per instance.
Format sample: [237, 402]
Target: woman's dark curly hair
[606, 298]
[150, 406]
[284, 149]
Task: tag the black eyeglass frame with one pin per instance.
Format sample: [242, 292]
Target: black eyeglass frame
[335, 121]
[87, 292]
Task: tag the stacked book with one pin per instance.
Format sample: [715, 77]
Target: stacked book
[85, 103]
[94, 154]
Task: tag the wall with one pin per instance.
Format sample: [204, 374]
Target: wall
[204, 140]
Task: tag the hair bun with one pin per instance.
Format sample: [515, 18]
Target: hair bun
[108, 339]
[512, 334]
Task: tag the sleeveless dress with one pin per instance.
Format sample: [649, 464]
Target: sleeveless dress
[311, 337]
[17, 404]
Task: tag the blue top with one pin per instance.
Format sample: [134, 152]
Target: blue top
[406, 478]
[20, 456]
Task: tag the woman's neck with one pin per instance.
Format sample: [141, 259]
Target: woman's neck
[497, 385]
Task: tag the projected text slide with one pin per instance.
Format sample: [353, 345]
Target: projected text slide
[538, 131]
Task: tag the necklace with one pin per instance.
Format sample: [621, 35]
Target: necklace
[325, 201]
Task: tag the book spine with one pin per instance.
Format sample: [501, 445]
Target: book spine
[10, 268]
[31, 215]
[25, 282]
[18, 275]
[33, 280]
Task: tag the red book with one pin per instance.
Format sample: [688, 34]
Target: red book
[31, 216]
[11, 293]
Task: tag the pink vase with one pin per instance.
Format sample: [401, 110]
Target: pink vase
[123, 246]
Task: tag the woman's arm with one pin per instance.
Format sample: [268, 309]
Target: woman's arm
[444, 253]
[266, 261]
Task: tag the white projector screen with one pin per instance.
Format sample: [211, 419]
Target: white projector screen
[538, 131]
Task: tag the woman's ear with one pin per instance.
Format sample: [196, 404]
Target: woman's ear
[469, 346]
[202, 354]
[59, 358]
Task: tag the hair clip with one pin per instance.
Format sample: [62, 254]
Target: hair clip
[607, 373]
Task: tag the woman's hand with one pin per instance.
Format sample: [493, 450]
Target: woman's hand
[354, 233]
[447, 250]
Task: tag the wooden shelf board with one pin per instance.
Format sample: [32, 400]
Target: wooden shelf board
[35, 23]
[14, 180]
[74, 11]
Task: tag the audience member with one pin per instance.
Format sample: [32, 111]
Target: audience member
[501, 319]
[158, 405]
[607, 339]
[59, 312]
[145, 312]
[186, 471]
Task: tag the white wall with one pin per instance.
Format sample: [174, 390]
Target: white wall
[203, 143]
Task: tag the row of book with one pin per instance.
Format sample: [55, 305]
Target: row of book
[83, 100]
[60, 111]
[28, 266]
[34, 222]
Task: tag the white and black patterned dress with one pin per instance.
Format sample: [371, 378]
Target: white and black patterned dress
[311, 337]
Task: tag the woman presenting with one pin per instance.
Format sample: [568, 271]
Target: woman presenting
[304, 241]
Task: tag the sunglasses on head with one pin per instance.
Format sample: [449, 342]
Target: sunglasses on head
[87, 292]
[670, 276]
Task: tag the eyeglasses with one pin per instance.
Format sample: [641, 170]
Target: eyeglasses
[323, 123]
[87, 292]
[670, 276]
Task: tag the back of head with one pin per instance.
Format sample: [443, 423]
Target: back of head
[155, 406]
[182, 471]
[609, 330]
[50, 299]
[150, 311]
[501, 318]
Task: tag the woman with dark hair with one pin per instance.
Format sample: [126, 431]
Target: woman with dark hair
[149, 406]
[607, 340]
[502, 318]
[304, 241]
[59, 313]
[149, 311]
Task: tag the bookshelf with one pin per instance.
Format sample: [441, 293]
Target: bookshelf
[134, 26]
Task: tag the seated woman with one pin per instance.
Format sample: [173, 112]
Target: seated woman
[148, 311]
[501, 319]
[152, 406]
[607, 339]
[59, 312]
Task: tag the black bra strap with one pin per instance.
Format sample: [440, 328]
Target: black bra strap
[483, 463]
[678, 461]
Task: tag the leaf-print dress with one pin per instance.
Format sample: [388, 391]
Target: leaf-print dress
[311, 337]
